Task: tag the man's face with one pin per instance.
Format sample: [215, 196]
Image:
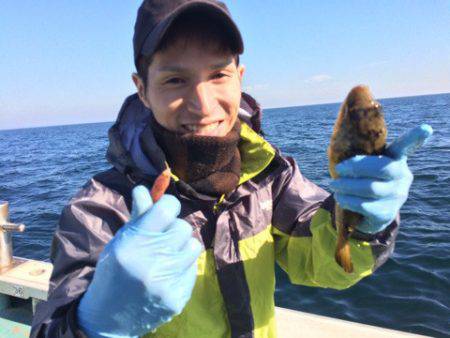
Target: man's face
[192, 90]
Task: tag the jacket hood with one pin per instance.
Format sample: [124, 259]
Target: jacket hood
[131, 133]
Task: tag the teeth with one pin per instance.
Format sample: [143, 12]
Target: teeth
[201, 128]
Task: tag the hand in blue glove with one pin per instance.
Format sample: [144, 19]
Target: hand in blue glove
[145, 274]
[377, 186]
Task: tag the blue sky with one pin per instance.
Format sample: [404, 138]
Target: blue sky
[64, 62]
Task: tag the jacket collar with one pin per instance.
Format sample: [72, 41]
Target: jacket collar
[256, 153]
[131, 134]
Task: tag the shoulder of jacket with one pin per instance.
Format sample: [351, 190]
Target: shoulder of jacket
[105, 186]
[116, 181]
[98, 199]
[277, 169]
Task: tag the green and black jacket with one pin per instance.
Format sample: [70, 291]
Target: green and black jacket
[275, 215]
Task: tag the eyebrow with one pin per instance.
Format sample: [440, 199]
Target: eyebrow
[177, 69]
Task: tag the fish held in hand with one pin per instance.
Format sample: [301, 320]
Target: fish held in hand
[360, 129]
[160, 185]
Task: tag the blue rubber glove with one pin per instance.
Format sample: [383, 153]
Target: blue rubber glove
[377, 186]
[145, 274]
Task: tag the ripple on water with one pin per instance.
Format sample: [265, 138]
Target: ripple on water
[42, 168]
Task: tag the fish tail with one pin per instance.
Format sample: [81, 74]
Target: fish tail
[343, 256]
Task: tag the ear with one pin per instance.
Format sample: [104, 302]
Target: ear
[241, 71]
[140, 87]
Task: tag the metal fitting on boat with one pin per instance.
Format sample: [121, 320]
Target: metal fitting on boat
[6, 228]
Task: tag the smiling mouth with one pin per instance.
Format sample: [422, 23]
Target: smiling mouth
[211, 129]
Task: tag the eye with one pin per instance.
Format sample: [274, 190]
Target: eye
[175, 80]
[219, 75]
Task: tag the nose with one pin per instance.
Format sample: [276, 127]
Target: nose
[202, 101]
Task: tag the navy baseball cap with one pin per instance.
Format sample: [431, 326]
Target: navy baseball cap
[154, 18]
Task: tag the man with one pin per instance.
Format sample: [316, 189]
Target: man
[200, 261]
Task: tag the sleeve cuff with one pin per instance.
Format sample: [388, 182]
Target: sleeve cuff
[380, 236]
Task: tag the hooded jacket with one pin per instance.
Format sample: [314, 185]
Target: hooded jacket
[275, 215]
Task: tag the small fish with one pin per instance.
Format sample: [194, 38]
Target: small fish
[360, 129]
[160, 185]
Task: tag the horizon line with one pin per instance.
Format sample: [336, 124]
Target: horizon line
[268, 108]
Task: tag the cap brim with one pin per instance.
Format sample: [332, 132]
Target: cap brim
[156, 36]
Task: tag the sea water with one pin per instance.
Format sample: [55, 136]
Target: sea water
[42, 168]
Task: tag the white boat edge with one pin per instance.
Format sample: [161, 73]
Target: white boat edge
[29, 279]
[293, 324]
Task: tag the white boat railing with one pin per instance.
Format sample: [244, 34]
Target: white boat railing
[6, 228]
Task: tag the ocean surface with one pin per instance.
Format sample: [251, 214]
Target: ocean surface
[41, 168]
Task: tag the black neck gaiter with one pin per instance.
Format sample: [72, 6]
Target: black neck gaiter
[209, 164]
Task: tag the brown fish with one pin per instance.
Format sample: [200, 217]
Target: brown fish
[160, 185]
[359, 130]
